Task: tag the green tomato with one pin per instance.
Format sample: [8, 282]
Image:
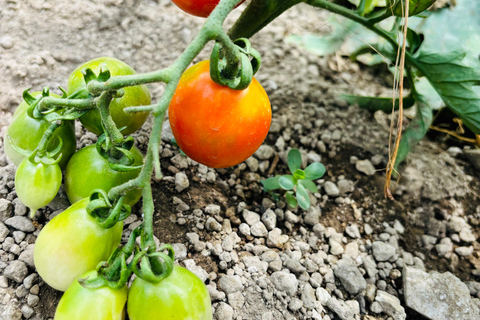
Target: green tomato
[71, 244]
[79, 303]
[25, 133]
[87, 170]
[180, 296]
[134, 96]
[37, 184]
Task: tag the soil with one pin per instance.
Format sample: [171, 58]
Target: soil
[50, 39]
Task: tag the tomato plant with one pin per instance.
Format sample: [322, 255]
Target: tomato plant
[215, 125]
[199, 8]
[37, 184]
[133, 96]
[181, 296]
[79, 303]
[25, 134]
[73, 243]
[87, 170]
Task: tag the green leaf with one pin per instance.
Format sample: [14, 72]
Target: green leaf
[453, 81]
[414, 40]
[377, 103]
[416, 130]
[287, 182]
[314, 171]
[299, 174]
[291, 201]
[271, 183]
[414, 7]
[302, 197]
[309, 185]
[294, 160]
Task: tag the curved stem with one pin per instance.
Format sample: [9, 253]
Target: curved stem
[81, 104]
[45, 141]
[103, 104]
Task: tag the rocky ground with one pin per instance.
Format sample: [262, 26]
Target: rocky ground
[352, 255]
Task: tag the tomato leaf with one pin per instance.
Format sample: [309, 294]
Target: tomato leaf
[454, 81]
[377, 103]
[314, 171]
[271, 183]
[415, 6]
[291, 201]
[287, 182]
[309, 185]
[302, 197]
[414, 40]
[294, 160]
[416, 130]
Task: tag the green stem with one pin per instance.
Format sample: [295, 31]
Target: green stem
[47, 136]
[148, 210]
[82, 104]
[103, 104]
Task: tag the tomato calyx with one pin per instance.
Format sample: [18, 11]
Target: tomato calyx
[147, 266]
[115, 272]
[119, 157]
[106, 213]
[235, 74]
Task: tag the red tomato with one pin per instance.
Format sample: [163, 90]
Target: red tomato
[199, 8]
[215, 125]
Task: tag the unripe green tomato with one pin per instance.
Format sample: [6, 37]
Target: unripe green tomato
[79, 303]
[71, 244]
[180, 296]
[25, 133]
[87, 170]
[37, 184]
[133, 96]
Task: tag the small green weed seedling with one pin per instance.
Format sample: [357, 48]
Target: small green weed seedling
[296, 184]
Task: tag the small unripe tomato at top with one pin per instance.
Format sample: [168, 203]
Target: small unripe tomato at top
[25, 133]
[71, 244]
[37, 184]
[180, 296]
[79, 303]
[87, 170]
[215, 125]
[133, 96]
[199, 8]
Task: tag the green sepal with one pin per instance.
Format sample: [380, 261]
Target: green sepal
[146, 272]
[104, 212]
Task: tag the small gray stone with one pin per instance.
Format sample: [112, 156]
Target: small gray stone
[350, 277]
[295, 266]
[180, 161]
[5, 209]
[473, 155]
[230, 284]
[27, 311]
[295, 304]
[265, 152]
[276, 239]
[391, 305]
[16, 271]
[269, 218]
[223, 311]
[286, 282]
[322, 295]
[197, 270]
[382, 251]
[376, 307]
[244, 229]
[27, 255]
[467, 235]
[213, 225]
[11, 312]
[253, 264]
[20, 223]
[438, 296]
[213, 209]
[312, 217]
[370, 266]
[3, 232]
[464, 251]
[6, 42]
[252, 164]
[181, 181]
[291, 217]
[331, 189]
[32, 300]
[3, 282]
[30, 280]
[345, 186]
[259, 230]
[336, 248]
[308, 297]
[342, 309]
[353, 231]
[250, 217]
[365, 166]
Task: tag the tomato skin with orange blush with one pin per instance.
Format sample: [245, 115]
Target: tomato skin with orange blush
[199, 8]
[215, 125]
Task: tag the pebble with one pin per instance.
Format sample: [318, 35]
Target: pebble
[331, 189]
[259, 230]
[181, 181]
[336, 248]
[213, 225]
[276, 239]
[308, 296]
[3, 232]
[20, 223]
[230, 284]
[312, 217]
[16, 271]
[464, 251]
[5, 209]
[353, 231]
[286, 282]
[467, 235]
[265, 152]
[390, 305]
[350, 277]
[6, 42]
[224, 311]
[269, 219]
[345, 186]
[365, 166]
[382, 251]
[250, 217]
